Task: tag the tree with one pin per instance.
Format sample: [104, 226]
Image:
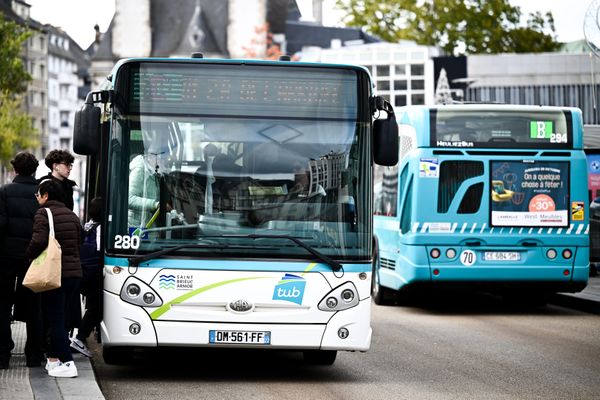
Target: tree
[16, 130]
[456, 26]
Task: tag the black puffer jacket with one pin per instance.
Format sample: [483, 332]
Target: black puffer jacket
[67, 188]
[68, 232]
[17, 208]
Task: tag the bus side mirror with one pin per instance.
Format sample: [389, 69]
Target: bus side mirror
[86, 132]
[385, 141]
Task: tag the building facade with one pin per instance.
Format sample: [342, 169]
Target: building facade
[36, 57]
[555, 79]
[403, 72]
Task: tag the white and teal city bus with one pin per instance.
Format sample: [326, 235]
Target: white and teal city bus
[238, 203]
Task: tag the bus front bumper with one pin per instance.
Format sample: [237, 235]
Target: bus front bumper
[127, 325]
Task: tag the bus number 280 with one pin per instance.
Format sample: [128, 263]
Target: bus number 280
[127, 242]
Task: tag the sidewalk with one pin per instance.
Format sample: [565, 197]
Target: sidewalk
[22, 383]
[587, 300]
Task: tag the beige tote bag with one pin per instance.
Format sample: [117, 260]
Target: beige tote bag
[45, 271]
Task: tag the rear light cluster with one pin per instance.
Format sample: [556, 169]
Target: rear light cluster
[435, 253]
[552, 254]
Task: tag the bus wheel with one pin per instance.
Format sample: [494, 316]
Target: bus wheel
[320, 357]
[117, 355]
[381, 295]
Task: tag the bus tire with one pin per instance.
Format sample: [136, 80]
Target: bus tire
[117, 355]
[319, 357]
[380, 294]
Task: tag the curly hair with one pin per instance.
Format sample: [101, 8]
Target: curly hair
[25, 163]
[58, 157]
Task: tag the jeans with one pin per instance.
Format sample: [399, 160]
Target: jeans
[56, 305]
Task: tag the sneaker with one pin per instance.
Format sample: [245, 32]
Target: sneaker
[78, 345]
[64, 370]
[50, 365]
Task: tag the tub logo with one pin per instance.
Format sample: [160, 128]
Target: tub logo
[290, 288]
[166, 282]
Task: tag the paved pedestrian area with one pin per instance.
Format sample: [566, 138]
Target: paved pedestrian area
[22, 383]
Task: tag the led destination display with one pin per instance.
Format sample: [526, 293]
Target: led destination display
[252, 90]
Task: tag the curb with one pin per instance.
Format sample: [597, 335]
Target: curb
[576, 302]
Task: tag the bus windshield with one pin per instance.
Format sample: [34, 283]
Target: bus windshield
[501, 128]
[221, 180]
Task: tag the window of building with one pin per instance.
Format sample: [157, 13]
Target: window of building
[417, 84]
[383, 70]
[42, 43]
[383, 85]
[417, 99]
[64, 118]
[417, 69]
[400, 100]
[64, 90]
[400, 69]
[400, 84]
[65, 143]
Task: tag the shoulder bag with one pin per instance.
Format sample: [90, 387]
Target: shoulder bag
[44, 273]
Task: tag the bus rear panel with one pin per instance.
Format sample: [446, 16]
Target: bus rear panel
[485, 195]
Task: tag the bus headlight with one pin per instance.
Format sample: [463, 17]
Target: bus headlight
[133, 290]
[567, 254]
[341, 298]
[137, 292]
[435, 253]
[551, 254]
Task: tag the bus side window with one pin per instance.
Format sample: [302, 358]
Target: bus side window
[406, 220]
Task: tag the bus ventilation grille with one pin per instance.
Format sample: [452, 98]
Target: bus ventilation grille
[452, 176]
[387, 263]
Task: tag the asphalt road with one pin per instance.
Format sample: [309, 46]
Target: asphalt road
[467, 348]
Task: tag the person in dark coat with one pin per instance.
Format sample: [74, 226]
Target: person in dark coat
[17, 208]
[56, 303]
[91, 284]
[60, 163]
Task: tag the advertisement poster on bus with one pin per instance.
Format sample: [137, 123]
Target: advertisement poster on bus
[594, 175]
[529, 193]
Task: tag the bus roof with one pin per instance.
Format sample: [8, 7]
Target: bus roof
[419, 117]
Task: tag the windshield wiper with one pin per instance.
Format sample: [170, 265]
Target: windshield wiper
[135, 261]
[335, 266]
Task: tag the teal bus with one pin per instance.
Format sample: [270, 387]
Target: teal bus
[483, 195]
[238, 203]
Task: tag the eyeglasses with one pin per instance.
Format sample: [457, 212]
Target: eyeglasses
[68, 165]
